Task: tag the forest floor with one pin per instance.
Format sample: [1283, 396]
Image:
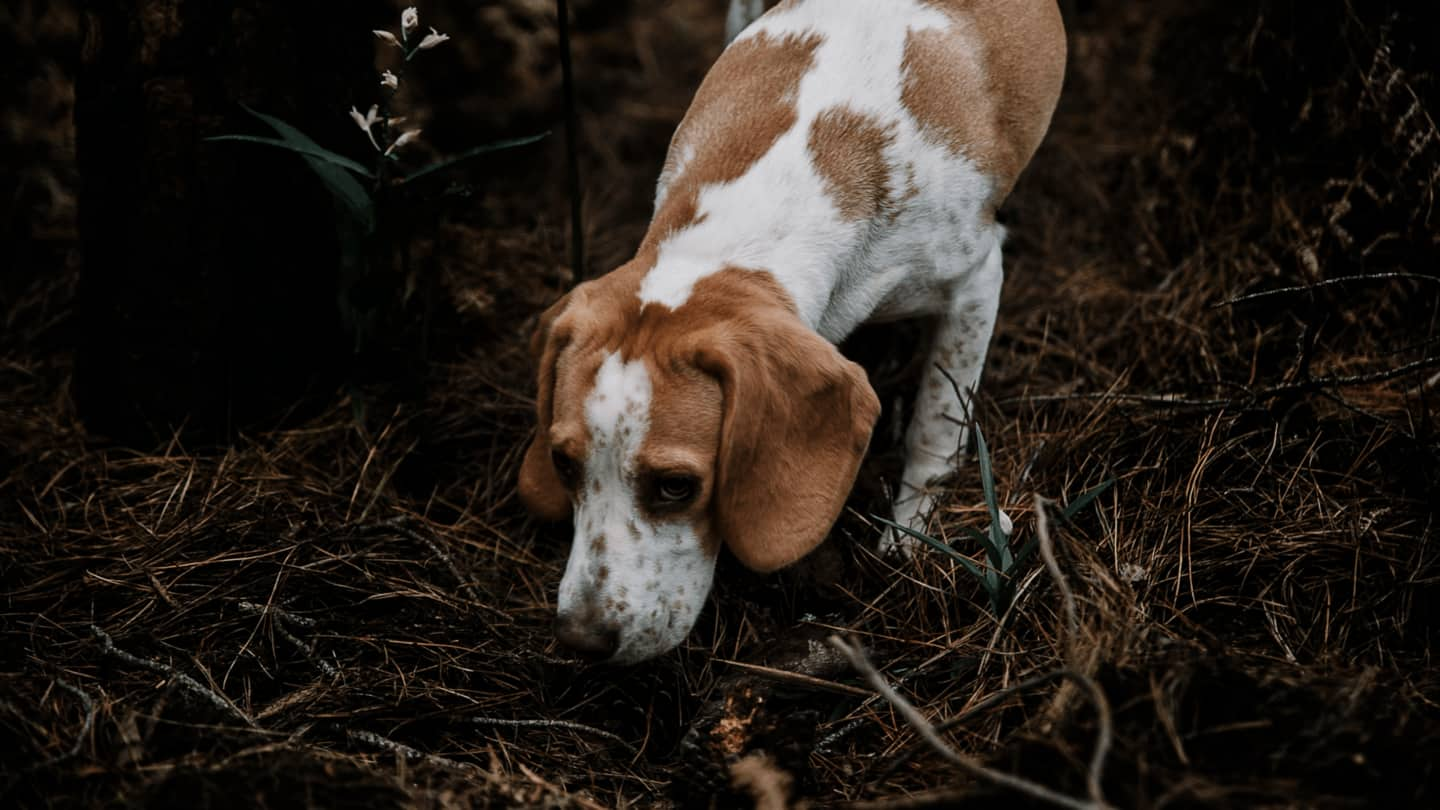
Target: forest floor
[1221, 292]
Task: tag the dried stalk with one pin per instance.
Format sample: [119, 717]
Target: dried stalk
[107, 645]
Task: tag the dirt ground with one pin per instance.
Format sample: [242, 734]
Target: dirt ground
[1221, 292]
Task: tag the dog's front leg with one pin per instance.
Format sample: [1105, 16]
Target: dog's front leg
[937, 436]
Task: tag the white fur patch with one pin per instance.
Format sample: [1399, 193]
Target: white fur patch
[779, 216]
[647, 579]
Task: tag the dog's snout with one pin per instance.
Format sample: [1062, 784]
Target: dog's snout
[591, 639]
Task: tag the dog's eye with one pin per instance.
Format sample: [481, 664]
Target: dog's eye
[675, 489]
[566, 467]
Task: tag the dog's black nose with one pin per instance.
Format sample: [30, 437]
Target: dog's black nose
[594, 640]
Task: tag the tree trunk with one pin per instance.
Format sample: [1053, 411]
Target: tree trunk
[207, 297]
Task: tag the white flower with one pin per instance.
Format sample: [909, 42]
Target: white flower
[409, 19]
[432, 39]
[405, 137]
[367, 121]
[390, 38]
[389, 80]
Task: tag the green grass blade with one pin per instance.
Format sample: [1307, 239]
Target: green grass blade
[332, 169]
[296, 138]
[476, 152]
[965, 562]
[976, 535]
[1084, 500]
[997, 545]
[345, 188]
[319, 154]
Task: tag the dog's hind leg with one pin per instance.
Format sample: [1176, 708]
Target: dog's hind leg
[937, 436]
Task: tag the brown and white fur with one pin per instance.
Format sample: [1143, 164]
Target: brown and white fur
[840, 164]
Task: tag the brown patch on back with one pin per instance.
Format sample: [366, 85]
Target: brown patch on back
[944, 88]
[987, 87]
[848, 150]
[745, 104]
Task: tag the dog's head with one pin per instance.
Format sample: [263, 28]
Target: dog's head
[666, 433]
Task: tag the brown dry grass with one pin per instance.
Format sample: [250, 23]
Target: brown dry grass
[354, 611]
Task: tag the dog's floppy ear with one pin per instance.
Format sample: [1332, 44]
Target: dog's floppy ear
[540, 487]
[796, 425]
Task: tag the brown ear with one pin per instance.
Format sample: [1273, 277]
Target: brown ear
[540, 487]
[797, 422]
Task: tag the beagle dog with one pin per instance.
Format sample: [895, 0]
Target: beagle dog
[841, 163]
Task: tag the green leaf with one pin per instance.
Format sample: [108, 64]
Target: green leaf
[332, 169]
[476, 152]
[295, 137]
[976, 535]
[1001, 598]
[998, 545]
[1084, 500]
[965, 562]
[319, 154]
[348, 191]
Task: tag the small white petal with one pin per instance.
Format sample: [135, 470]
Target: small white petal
[406, 137]
[389, 80]
[409, 19]
[367, 121]
[390, 38]
[432, 39]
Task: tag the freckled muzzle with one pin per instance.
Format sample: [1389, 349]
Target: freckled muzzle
[630, 599]
[635, 581]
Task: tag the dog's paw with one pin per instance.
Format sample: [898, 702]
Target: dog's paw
[911, 509]
[913, 512]
[897, 544]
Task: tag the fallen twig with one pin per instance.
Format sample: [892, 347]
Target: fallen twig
[829, 740]
[281, 617]
[563, 724]
[796, 678]
[401, 749]
[1047, 553]
[1104, 737]
[929, 734]
[1252, 398]
[91, 710]
[279, 613]
[1318, 383]
[1329, 282]
[210, 696]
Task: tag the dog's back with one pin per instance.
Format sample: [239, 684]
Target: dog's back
[989, 84]
[836, 139]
